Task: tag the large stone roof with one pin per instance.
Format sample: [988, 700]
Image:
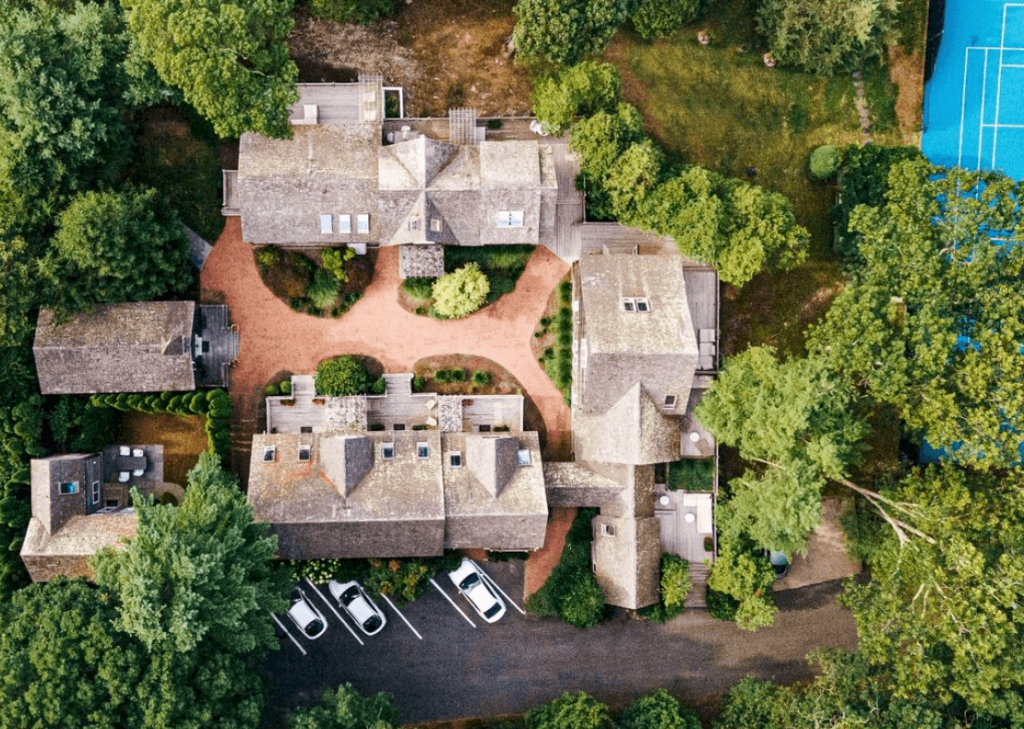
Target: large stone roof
[67, 551]
[133, 347]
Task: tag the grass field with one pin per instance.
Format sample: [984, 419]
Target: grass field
[719, 106]
[183, 439]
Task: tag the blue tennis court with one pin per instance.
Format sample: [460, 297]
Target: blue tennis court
[974, 101]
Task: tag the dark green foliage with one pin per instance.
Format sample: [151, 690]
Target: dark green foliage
[452, 375]
[481, 377]
[268, 256]
[564, 32]
[116, 247]
[201, 571]
[863, 180]
[584, 89]
[334, 260]
[721, 606]
[63, 664]
[286, 387]
[248, 89]
[824, 161]
[419, 287]
[379, 386]
[503, 265]
[404, 580]
[418, 383]
[662, 18]
[272, 389]
[569, 711]
[826, 36]
[571, 591]
[691, 474]
[761, 704]
[323, 290]
[21, 430]
[346, 708]
[343, 375]
[63, 129]
[746, 576]
[77, 426]
[657, 710]
[565, 292]
[600, 140]
[675, 586]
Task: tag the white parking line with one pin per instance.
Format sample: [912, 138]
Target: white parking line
[340, 619]
[297, 644]
[400, 615]
[498, 588]
[452, 602]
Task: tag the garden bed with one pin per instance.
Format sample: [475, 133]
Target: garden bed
[293, 277]
[549, 345]
[503, 265]
[499, 380]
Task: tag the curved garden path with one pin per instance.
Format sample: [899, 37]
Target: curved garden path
[275, 338]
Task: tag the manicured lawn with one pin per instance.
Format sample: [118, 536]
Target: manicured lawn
[183, 439]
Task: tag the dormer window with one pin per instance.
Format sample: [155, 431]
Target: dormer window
[435, 225]
[387, 451]
[638, 305]
[326, 225]
[269, 453]
[344, 223]
[642, 306]
[510, 219]
[607, 530]
[523, 457]
[69, 487]
[455, 459]
[304, 452]
[670, 401]
[363, 223]
[422, 450]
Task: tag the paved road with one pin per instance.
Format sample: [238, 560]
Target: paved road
[521, 662]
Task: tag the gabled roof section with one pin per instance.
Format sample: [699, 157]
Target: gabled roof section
[133, 347]
[346, 460]
[493, 460]
[413, 164]
[510, 164]
[633, 431]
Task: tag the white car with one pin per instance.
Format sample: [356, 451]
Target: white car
[306, 617]
[354, 601]
[473, 586]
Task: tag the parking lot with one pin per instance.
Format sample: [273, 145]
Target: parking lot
[458, 670]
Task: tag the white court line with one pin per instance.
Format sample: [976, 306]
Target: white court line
[401, 616]
[495, 585]
[994, 48]
[452, 602]
[963, 108]
[340, 619]
[1013, 65]
[999, 88]
[297, 644]
[1005, 126]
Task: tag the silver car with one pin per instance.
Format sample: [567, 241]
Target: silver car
[354, 601]
[306, 617]
[473, 586]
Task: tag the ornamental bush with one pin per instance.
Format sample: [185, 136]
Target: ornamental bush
[662, 18]
[363, 12]
[461, 292]
[343, 375]
[825, 161]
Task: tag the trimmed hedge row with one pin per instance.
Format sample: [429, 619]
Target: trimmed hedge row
[213, 405]
[403, 580]
[557, 360]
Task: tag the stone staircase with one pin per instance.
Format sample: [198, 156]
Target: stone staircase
[698, 586]
[399, 383]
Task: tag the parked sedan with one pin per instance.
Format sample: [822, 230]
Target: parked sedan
[473, 586]
[779, 562]
[305, 615]
[354, 601]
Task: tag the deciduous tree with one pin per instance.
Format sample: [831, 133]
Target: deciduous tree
[461, 292]
[112, 247]
[228, 57]
[933, 322]
[658, 710]
[662, 18]
[346, 708]
[570, 711]
[584, 89]
[564, 32]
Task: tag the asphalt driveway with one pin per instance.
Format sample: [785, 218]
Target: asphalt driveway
[457, 670]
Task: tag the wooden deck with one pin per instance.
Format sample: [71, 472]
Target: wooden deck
[220, 346]
[335, 102]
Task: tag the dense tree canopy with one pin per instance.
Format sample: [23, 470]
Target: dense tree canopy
[943, 615]
[115, 246]
[62, 663]
[201, 571]
[662, 18]
[564, 32]
[586, 89]
[570, 711]
[228, 57]
[346, 708]
[826, 36]
[62, 128]
[933, 323]
[657, 710]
